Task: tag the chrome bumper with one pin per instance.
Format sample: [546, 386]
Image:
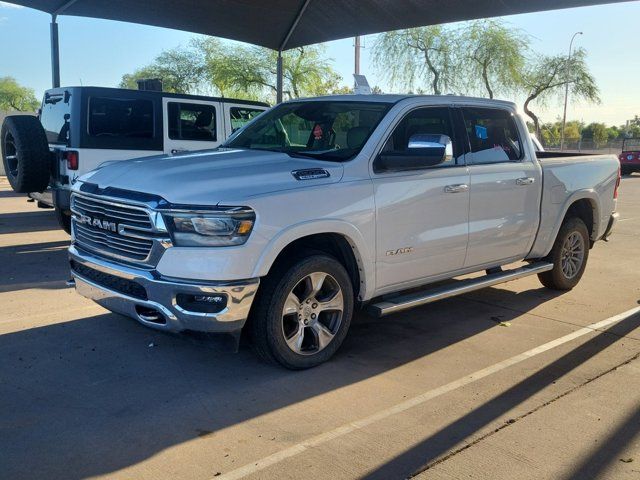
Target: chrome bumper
[161, 297]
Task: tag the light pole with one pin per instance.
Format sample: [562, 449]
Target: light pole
[566, 90]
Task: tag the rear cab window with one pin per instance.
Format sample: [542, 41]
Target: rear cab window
[55, 116]
[493, 135]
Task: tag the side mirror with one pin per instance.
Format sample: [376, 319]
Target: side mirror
[424, 150]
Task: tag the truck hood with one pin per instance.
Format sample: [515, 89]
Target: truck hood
[209, 177]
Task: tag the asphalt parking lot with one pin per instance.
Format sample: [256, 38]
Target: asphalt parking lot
[514, 381]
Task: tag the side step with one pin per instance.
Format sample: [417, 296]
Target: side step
[405, 302]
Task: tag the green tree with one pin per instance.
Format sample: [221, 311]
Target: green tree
[600, 134]
[180, 70]
[548, 75]
[14, 96]
[495, 54]
[418, 57]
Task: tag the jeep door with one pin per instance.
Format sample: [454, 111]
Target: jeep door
[191, 124]
[422, 214]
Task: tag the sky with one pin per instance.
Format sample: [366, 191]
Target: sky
[99, 52]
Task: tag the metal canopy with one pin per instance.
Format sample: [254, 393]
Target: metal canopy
[285, 24]
[269, 23]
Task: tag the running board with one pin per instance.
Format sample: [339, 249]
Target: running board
[405, 302]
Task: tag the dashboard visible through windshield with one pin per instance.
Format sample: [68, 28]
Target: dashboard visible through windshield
[326, 130]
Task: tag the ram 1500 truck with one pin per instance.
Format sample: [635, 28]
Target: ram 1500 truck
[325, 205]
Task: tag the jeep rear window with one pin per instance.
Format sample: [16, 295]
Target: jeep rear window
[52, 117]
[116, 117]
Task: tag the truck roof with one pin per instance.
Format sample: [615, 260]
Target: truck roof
[394, 98]
[112, 91]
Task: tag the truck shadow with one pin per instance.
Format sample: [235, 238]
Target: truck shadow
[37, 265]
[417, 458]
[96, 395]
[23, 222]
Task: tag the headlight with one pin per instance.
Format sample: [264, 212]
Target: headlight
[228, 226]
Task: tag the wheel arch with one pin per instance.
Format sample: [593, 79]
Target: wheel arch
[585, 205]
[337, 238]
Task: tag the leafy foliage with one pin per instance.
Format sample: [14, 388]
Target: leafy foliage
[493, 57]
[234, 70]
[417, 58]
[548, 76]
[14, 96]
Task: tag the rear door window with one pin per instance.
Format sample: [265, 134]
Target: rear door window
[493, 135]
[240, 116]
[192, 121]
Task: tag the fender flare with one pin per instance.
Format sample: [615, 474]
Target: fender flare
[363, 254]
[584, 194]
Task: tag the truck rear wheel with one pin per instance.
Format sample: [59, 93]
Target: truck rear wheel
[25, 153]
[569, 256]
[302, 312]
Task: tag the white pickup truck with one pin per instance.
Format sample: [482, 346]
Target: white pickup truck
[324, 205]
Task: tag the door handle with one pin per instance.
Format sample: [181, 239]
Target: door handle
[525, 181]
[176, 150]
[461, 187]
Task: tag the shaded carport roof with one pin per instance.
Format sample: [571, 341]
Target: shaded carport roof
[285, 24]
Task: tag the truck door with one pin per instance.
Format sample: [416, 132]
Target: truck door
[191, 124]
[421, 215]
[237, 115]
[505, 188]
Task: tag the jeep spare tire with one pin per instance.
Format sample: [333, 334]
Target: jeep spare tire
[25, 153]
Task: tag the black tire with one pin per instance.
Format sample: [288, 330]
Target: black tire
[625, 171]
[267, 322]
[64, 220]
[25, 153]
[558, 278]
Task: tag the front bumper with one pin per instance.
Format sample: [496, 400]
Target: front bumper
[613, 219]
[153, 300]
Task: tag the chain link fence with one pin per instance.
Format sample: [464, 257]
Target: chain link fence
[588, 146]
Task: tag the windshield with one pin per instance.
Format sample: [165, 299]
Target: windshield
[331, 130]
[631, 144]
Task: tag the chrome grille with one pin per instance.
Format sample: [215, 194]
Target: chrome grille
[132, 216]
[131, 235]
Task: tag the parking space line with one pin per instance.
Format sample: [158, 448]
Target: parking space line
[347, 428]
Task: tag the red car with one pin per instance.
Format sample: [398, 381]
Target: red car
[630, 156]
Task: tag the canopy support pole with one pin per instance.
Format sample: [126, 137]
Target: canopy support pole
[55, 53]
[283, 45]
[279, 78]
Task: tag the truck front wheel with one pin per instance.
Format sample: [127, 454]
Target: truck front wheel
[302, 312]
[569, 256]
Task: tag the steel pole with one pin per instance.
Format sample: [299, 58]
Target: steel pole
[356, 68]
[55, 53]
[566, 91]
[279, 78]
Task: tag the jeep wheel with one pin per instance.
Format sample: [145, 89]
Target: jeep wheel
[569, 256]
[25, 153]
[302, 312]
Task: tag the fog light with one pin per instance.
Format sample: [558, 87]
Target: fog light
[212, 303]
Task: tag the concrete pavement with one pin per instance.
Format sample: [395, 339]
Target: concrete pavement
[86, 393]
